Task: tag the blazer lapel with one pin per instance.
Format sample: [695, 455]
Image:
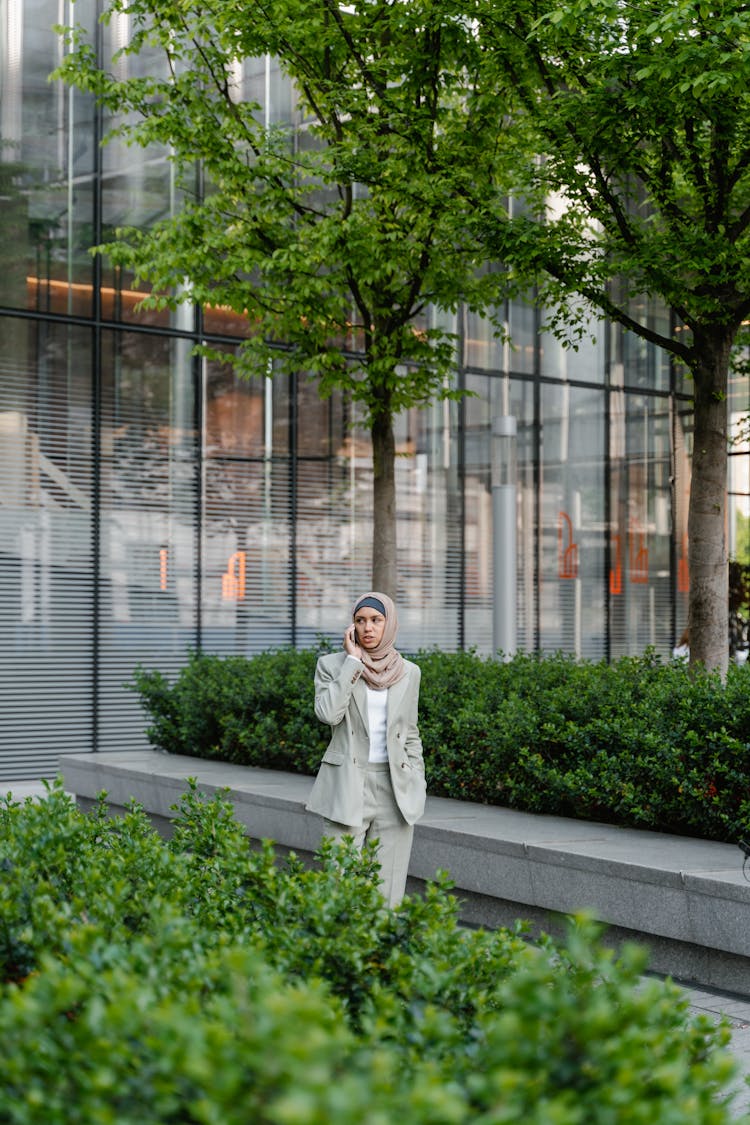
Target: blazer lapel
[359, 694]
[396, 696]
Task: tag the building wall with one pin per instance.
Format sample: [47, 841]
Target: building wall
[151, 502]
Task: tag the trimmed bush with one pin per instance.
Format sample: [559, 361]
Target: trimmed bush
[637, 742]
[198, 981]
[248, 711]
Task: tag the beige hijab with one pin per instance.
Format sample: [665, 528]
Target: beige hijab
[384, 666]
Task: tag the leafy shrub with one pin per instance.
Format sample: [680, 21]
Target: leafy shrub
[237, 1043]
[115, 880]
[197, 981]
[237, 710]
[574, 1036]
[635, 742]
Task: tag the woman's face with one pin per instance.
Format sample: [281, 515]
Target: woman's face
[369, 625]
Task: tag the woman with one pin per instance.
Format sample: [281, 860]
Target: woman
[371, 779]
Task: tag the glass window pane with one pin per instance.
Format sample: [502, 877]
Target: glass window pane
[494, 396]
[235, 413]
[482, 346]
[573, 538]
[46, 572]
[636, 363]
[583, 363]
[46, 163]
[640, 565]
[246, 602]
[147, 519]
[523, 328]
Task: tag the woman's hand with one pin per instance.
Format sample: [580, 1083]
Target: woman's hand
[350, 643]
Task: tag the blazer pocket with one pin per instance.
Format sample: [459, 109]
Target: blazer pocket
[334, 756]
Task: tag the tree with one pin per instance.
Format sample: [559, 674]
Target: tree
[335, 236]
[638, 117]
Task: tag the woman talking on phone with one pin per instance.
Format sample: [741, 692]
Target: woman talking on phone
[371, 780]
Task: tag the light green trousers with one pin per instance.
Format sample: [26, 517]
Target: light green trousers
[382, 821]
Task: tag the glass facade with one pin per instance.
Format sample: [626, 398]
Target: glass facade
[152, 502]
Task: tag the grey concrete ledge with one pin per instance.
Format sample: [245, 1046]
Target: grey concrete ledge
[686, 899]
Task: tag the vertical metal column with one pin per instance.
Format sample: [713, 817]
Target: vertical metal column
[96, 401]
[504, 488]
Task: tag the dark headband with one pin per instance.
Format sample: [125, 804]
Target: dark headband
[373, 603]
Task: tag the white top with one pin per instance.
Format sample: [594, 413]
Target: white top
[377, 718]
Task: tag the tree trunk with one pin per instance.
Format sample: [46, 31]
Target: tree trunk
[707, 552]
[384, 570]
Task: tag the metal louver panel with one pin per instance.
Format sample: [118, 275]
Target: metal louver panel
[147, 525]
[46, 634]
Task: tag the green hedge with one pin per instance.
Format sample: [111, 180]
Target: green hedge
[198, 981]
[636, 742]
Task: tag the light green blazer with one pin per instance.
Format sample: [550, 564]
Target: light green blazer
[341, 701]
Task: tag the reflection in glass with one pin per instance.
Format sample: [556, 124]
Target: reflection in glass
[46, 164]
[148, 483]
[483, 347]
[640, 575]
[46, 623]
[572, 522]
[634, 362]
[583, 362]
[498, 396]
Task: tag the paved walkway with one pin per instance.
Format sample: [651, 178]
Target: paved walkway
[715, 1004]
[737, 1010]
